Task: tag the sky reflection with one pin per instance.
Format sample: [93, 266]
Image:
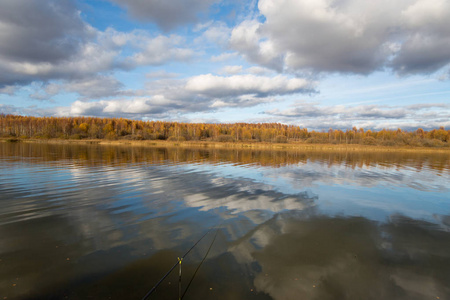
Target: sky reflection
[100, 221]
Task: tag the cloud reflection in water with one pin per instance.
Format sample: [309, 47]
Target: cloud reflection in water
[312, 225]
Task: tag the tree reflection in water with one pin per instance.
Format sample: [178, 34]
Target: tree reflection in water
[104, 222]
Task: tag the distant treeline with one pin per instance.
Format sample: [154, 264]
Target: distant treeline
[13, 126]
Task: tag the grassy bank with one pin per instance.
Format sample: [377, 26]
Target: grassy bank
[239, 145]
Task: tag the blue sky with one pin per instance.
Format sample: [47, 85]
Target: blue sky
[317, 64]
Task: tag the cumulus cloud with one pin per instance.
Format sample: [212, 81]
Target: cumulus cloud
[166, 14]
[231, 70]
[217, 33]
[115, 107]
[89, 87]
[41, 32]
[248, 40]
[259, 70]
[29, 110]
[314, 116]
[35, 36]
[171, 96]
[48, 48]
[219, 86]
[157, 51]
[159, 99]
[410, 37]
[44, 41]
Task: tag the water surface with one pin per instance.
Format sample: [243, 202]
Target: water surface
[99, 222]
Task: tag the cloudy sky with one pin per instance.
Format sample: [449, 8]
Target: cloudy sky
[312, 63]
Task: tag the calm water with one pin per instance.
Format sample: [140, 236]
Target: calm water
[97, 222]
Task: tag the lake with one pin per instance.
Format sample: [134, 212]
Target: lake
[108, 222]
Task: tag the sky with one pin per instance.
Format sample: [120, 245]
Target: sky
[317, 64]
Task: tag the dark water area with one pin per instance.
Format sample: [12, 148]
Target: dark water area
[107, 222]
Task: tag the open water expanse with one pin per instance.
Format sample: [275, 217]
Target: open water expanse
[104, 222]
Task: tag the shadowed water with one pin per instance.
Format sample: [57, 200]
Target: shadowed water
[98, 222]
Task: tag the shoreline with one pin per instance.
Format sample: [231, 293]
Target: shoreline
[238, 145]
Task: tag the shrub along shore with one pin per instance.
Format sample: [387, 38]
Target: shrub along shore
[237, 135]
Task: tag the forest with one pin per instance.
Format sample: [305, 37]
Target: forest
[26, 127]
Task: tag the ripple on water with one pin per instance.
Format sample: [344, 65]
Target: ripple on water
[98, 221]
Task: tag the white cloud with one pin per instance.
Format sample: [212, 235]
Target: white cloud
[41, 32]
[231, 70]
[49, 48]
[139, 106]
[426, 13]
[259, 71]
[217, 33]
[91, 88]
[50, 41]
[314, 116]
[240, 102]
[88, 88]
[202, 26]
[218, 86]
[203, 93]
[236, 69]
[36, 36]
[157, 51]
[247, 39]
[351, 36]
